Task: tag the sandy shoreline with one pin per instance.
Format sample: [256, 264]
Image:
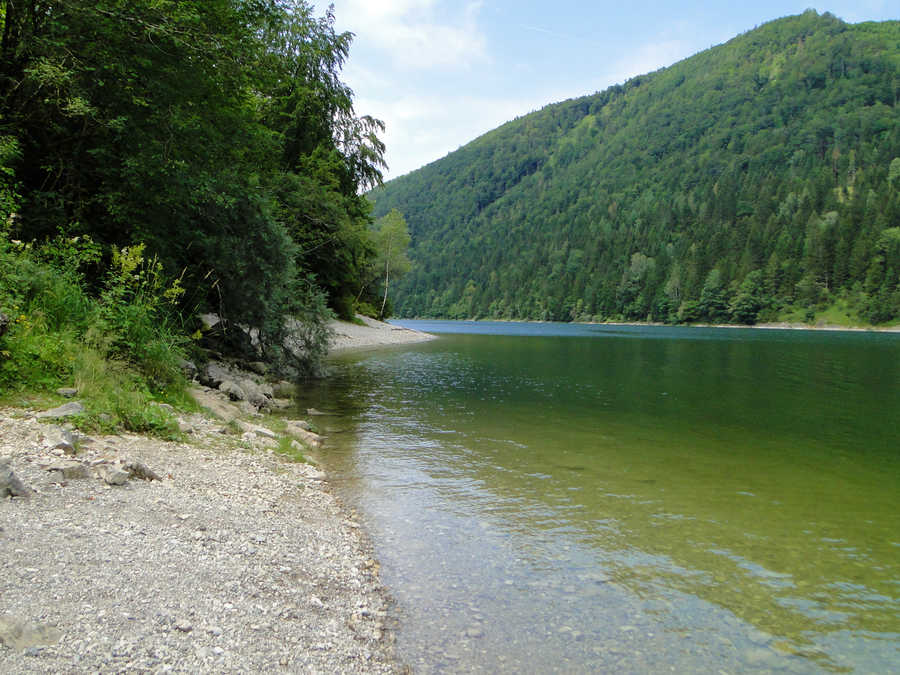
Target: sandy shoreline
[234, 561]
[372, 334]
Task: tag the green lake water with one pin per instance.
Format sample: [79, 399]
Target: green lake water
[557, 498]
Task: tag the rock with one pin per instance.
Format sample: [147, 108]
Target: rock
[312, 472]
[256, 430]
[69, 469]
[258, 367]
[10, 486]
[253, 393]
[266, 390]
[66, 441]
[183, 625]
[185, 427]
[188, 368]
[19, 634]
[113, 474]
[67, 392]
[302, 424]
[140, 470]
[4, 323]
[759, 656]
[208, 320]
[307, 437]
[213, 374]
[215, 404]
[65, 410]
[234, 391]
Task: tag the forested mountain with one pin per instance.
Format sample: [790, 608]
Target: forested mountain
[757, 180]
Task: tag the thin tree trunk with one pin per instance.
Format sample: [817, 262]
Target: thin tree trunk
[387, 276]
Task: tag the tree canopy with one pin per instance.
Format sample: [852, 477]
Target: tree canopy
[216, 132]
[753, 181]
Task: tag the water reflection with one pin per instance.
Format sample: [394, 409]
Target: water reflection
[547, 504]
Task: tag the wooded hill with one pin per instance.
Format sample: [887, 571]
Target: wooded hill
[757, 180]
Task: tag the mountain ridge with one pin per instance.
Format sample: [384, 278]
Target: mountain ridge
[744, 170]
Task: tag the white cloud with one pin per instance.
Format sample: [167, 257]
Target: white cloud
[421, 129]
[648, 58]
[417, 34]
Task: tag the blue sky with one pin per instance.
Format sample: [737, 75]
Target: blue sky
[440, 72]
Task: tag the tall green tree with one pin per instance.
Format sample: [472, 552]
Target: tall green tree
[218, 132]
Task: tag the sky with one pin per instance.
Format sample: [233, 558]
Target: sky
[440, 73]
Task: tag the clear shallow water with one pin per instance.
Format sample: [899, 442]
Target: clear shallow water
[557, 498]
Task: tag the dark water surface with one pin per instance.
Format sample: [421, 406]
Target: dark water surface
[556, 498]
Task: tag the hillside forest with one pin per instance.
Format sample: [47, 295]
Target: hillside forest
[756, 181]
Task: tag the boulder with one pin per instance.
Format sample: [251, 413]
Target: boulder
[188, 368]
[254, 393]
[65, 410]
[213, 374]
[68, 469]
[233, 389]
[67, 392]
[113, 474]
[303, 435]
[10, 485]
[65, 441]
[261, 432]
[140, 470]
[258, 367]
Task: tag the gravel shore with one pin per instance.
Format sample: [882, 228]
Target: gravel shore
[372, 333]
[232, 561]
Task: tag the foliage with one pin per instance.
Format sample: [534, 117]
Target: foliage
[116, 350]
[135, 317]
[215, 132]
[756, 177]
[390, 237]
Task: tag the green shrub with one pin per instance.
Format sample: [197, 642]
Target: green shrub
[136, 313]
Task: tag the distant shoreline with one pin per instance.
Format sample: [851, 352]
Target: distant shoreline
[778, 325]
[372, 333]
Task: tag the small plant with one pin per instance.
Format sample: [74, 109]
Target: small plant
[291, 449]
[135, 316]
[117, 398]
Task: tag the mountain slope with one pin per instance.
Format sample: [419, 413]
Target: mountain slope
[750, 180]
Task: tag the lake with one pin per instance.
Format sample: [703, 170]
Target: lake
[574, 498]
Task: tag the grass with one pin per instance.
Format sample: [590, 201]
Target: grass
[291, 449]
[117, 352]
[842, 312]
